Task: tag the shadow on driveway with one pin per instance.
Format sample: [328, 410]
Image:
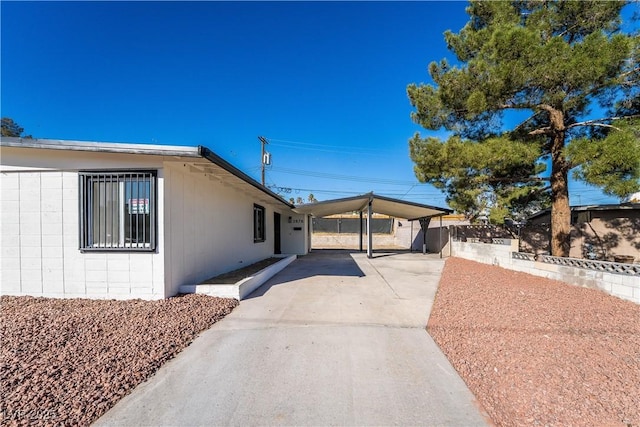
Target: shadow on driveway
[335, 338]
[325, 262]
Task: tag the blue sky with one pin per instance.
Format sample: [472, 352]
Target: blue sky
[324, 82]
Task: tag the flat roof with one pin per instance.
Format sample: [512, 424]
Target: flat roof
[380, 204]
[143, 149]
[106, 147]
[584, 208]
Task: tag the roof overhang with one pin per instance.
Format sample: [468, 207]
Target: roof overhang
[380, 204]
[585, 208]
[173, 151]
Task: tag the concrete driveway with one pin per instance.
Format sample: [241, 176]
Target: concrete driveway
[334, 339]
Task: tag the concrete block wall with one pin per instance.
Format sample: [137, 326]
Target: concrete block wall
[485, 253]
[402, 236]
[352, 241]
[40, 245]
[620, 285]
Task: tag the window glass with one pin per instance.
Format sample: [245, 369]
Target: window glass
[118, 210]
[258, 224]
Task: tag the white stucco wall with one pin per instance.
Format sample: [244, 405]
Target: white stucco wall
[209, 227]
[294, 235]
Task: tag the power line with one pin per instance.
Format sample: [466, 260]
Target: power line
[408, 191]
[288, 190]
[342, 177]
[342, 151]
[297, 143]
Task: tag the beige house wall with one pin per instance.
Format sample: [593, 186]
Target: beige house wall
[607, 234]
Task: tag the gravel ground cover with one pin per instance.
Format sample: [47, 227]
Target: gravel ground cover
[67, 361]
[536, 351]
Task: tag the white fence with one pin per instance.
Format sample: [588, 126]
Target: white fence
[621, 280]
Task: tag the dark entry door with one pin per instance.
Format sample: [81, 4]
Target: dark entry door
[276, 233]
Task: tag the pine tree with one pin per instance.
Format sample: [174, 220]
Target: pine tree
[10, 128]
[556, 61]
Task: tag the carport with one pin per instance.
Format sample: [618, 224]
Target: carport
[371, 203]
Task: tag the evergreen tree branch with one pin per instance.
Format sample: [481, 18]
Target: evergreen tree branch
[542, 131]
[524, 122]
[516, 106]
[630, 72]
[598, 122]
[604, 125]
[530, 179]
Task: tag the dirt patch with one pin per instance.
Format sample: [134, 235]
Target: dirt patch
[67, 361]
[536, 351]
[242, 273]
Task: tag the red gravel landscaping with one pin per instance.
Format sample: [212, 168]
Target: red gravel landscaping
[536, 351]
[67, 361]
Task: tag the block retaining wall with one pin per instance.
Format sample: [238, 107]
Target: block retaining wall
[621, 285]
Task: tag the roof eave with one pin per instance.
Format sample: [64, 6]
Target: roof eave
[142, 149]
[206, 153]
[106, 147]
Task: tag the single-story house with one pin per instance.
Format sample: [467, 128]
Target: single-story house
[110, 220]
[603, 232]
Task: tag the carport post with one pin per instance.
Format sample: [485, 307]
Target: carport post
[424, 238]
[411, 240]
[361, 231]
[424, 225]
[440, 237]
[369, 234]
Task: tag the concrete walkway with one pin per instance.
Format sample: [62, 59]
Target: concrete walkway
[334, 339]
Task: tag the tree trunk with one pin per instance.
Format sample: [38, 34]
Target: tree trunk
[560, 210]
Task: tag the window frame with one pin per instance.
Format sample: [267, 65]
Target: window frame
[86, 195]
[259, 224]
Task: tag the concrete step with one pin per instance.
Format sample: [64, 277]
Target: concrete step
[244, 287]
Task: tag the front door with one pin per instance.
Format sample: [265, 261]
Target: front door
[276, 233]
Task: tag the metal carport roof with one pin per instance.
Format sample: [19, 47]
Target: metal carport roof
[372, 203]
[379, 204]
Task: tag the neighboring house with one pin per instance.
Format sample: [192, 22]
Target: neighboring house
[106, 220]
[603, 232]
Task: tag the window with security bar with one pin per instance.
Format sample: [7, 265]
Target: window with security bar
[118, 211]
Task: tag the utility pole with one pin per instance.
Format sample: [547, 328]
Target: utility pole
[263, 161]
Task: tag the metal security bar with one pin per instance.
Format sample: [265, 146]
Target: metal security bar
[118, 210]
